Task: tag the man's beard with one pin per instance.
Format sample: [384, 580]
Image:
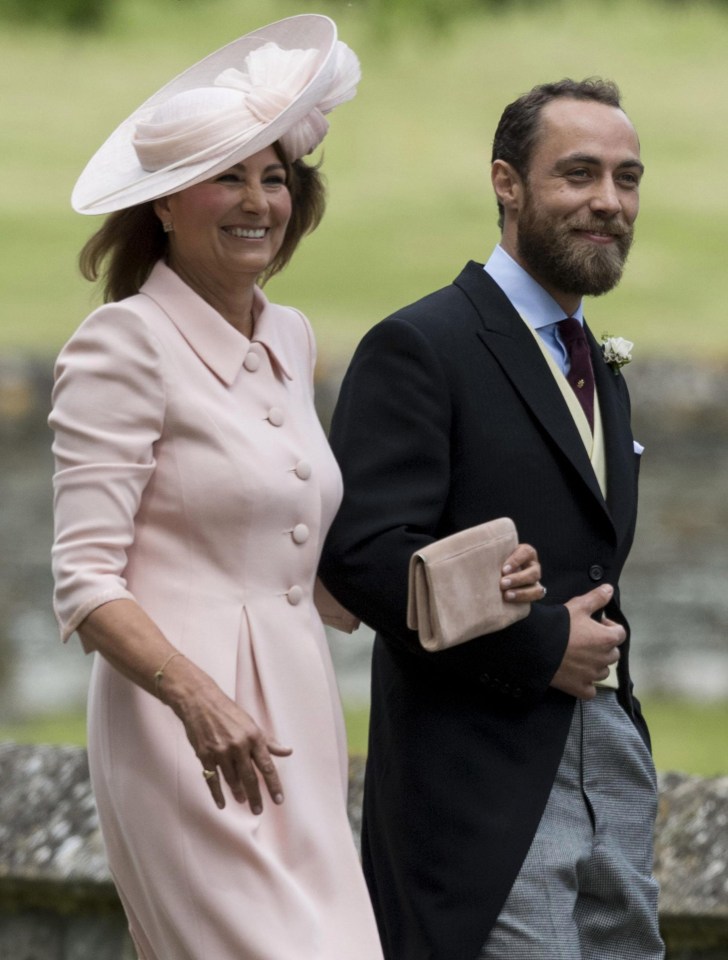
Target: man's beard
[565, 263]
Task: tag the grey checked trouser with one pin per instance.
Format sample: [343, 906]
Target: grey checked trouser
[585, 890]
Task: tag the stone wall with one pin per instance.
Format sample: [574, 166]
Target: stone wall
[691, 863]
[57, 901]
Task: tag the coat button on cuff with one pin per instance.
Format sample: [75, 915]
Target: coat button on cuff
[300, 533]
[295, 595]
[596, 572]
[275, 416]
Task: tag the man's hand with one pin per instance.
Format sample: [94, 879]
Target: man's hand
[593, 645]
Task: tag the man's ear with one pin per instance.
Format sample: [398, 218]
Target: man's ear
[507, 185]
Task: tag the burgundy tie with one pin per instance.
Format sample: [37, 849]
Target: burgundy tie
[581, 375]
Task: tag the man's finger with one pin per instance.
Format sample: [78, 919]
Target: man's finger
[596, 599]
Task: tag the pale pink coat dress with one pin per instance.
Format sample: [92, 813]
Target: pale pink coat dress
[193, 475]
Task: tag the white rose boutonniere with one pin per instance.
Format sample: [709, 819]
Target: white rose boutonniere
[617, 351]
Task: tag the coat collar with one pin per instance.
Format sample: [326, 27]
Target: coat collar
[219, 345]
[505, 334]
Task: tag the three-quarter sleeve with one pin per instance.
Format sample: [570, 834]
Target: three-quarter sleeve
[107, 414]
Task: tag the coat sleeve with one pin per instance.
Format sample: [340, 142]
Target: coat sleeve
[107, 413]
[391, 435]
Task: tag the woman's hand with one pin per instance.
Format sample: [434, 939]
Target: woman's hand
[521, 581]
[228, 744]
[225, 738]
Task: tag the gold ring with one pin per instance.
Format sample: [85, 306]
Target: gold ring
[209, 774]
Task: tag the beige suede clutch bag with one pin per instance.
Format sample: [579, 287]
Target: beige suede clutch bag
[454, 586]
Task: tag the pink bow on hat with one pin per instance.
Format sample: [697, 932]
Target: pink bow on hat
[273, 85]
[192, 123]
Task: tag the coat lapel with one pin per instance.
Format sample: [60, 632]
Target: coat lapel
[618, 440]
[507, 337]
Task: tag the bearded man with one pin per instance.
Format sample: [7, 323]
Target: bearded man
[510, 791]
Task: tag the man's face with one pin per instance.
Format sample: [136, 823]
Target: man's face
[580, 199]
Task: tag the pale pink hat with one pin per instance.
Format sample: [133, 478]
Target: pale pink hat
[274, 84]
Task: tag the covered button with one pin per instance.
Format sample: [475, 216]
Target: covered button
[251, 362]
[275, 416]
[295, 595]
[303, 469]
[300, 533]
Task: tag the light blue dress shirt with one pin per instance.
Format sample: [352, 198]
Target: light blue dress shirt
[537, 307]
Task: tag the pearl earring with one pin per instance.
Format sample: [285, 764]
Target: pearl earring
[168, 226]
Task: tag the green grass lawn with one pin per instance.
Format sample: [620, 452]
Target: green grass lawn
[687, 736]
[407, 160]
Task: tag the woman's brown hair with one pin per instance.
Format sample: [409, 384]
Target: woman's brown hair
[129, 243]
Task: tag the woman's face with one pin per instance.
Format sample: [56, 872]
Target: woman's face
[230, 227]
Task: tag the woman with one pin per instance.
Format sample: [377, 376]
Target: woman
[193, 490]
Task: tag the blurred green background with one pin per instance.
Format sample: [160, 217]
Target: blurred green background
[686, 735]
[407, 160]
[408, 172]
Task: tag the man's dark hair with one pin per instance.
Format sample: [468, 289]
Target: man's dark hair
[519, 124]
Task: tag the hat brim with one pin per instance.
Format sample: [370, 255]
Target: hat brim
[113, 179]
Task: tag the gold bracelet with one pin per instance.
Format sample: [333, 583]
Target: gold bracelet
[159, 675]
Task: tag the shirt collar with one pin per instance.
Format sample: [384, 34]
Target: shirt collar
[216, 342]
[537, 307]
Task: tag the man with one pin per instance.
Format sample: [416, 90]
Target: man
[510, 792]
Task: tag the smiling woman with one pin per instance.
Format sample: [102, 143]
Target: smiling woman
[193, 489]
[226, 232]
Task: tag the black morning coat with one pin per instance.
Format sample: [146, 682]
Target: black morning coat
[449, 416]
